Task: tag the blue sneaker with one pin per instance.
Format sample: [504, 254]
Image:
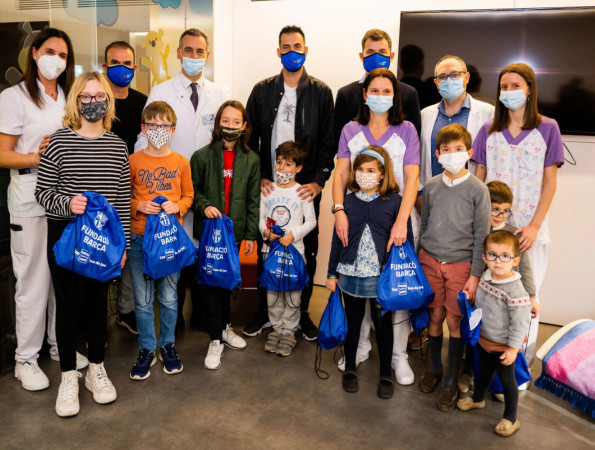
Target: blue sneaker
[141, 370]
[171, 360]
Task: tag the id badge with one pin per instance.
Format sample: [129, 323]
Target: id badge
[208, 119]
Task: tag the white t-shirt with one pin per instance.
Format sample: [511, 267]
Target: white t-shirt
[284, 127]
[19, 116]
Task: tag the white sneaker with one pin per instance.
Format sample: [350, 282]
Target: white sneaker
[231, 339]
[213, 359]
[403, 371]
[525, 386]
[97, 382]
[359, 358]
[81, 360]
[67, 403]
[31, 376]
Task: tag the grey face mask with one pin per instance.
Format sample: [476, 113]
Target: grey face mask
[94, 111]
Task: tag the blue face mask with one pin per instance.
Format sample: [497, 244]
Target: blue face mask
[451, 89]
[379, 104]
[293, 61]
[192, 66]
[513, 100]
[120, 75]
[376, 61]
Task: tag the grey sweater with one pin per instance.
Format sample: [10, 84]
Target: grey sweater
[506, 309]
[455, 220]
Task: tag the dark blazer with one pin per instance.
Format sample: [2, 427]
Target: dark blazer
[350, 97]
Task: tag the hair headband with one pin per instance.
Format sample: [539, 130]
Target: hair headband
[370, 152]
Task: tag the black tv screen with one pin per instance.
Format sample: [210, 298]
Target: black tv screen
[559, 44]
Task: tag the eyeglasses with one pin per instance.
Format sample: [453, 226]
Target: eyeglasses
[452, 75]
[506, 213]
[86, 98]
[154, 126]
[491, 256]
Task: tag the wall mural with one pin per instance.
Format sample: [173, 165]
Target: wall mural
[156, 59]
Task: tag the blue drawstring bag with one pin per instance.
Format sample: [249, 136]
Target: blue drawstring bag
[402, 284]
[471, 321]
[167, 248]
[93, 244]
[521, 373]
[419, 319]
[284, 268]
[218, 258]
[332, 330]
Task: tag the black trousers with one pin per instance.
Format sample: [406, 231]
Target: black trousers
[218, 308]
[488, 364]
[310, 252]
[355, 307]
[74, 292]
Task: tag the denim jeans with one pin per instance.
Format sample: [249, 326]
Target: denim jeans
[143, 300]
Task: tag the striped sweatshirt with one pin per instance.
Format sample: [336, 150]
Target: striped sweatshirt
[73, 164]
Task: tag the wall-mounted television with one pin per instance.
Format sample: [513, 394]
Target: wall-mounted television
[558, 43]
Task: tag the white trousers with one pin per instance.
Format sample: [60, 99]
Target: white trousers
[34, 298]
[401, 328]
[538, 256]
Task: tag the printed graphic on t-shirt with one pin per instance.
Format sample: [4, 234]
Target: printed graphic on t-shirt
[281, 215]
[227, 173]
[158, 179]
[288, 112]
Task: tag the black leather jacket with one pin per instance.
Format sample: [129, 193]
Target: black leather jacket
[314, 126]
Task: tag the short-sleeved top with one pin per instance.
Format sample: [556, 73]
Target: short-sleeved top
[400, 141]
[19, 116]
[520, 163]
[128, 113]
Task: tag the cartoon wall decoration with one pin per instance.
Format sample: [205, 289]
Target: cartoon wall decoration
[156, 58]
[104, 12]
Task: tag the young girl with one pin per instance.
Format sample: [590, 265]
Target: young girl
[523, 149]
[226, 179]
[356, 267]
[83, 156]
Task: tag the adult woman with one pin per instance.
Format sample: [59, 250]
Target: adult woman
[28, 112]
[83, 156]
[523, 149]
[380, 122]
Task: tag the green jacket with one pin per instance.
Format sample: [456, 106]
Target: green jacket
[207, 179]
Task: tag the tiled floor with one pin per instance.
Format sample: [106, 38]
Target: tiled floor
[258, 400]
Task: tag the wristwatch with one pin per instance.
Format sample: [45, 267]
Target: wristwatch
[337, 207]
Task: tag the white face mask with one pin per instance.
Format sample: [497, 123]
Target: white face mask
[51, 66]
[453, 162]
[159, 137]
[367, 180]
[284, 178]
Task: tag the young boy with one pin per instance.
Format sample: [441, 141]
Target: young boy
[156, 170]
[506, 313]
[297, 218]
[455, 219]
[501, 200]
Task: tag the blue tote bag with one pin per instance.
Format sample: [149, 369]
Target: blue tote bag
[218, 258]
[471, 321]
[402, 284]
[167, 248]
[284, 269]
[94, 243]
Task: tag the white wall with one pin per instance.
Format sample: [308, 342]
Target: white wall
[246, 39]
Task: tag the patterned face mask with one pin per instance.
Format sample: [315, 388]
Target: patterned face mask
[159, 137]
[367, 180]
[230, 134]
[284, 178]
[94, 111]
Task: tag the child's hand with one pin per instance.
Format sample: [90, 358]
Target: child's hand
[170, 207]
[331, 284]
[470, 288]
[78, 204]
[250, 246]
[270, 235]
[123, 261]
[211, 212]
[398, 235]
[286, 239]
[149, 207]
[535, 308]
[508, 356]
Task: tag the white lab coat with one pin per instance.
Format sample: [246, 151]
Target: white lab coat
[194, 129]
[479, 113]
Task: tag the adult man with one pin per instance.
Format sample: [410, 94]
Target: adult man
[376, 54]
[120, 68]
[293, 106]
[195, 100]
[457, 106]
